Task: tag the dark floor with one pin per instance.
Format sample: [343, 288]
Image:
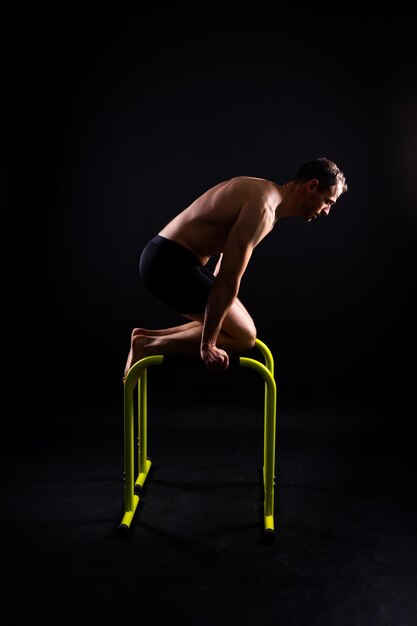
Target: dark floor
[345, 550]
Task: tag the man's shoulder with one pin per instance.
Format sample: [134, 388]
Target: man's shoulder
[248, 180]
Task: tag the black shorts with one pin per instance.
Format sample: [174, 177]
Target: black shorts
[173, 274]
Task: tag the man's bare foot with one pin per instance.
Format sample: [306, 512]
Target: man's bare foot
[137, 351]
[143, 332]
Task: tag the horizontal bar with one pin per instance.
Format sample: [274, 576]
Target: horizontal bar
[195, 361]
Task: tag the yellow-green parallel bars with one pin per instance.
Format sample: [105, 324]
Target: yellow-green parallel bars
[138, 375]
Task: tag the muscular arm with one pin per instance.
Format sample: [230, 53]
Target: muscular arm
[252, 224]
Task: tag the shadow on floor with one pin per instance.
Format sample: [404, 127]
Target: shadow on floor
[345, 549]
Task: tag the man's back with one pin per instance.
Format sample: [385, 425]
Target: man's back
[204, 226]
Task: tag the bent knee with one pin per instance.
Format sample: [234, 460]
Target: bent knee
[247, 338]
[249, 342]
[241, 330]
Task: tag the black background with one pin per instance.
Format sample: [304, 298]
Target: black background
[116, 117]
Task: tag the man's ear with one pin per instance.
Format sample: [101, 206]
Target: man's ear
[312, 185]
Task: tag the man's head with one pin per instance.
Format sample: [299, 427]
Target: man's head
[322, 183]
[324, 171]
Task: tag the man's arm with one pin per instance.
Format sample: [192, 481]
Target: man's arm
[252, 224]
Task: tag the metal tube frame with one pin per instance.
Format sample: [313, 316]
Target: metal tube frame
[133, 486]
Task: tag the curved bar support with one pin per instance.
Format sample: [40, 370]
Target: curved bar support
[137, 375]
[269, 438]
[266, 353]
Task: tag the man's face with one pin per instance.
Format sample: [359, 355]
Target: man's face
[319, 202]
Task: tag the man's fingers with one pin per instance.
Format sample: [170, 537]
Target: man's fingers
[215, 359]
[218, 364]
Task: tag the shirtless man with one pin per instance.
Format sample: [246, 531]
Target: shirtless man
[228, 220]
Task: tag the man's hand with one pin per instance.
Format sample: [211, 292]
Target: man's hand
[214, 358]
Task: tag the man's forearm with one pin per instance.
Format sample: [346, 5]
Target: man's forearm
[220, 300]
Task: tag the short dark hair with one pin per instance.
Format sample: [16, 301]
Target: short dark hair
[326, 172]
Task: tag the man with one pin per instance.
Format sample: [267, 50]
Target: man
[228, 220]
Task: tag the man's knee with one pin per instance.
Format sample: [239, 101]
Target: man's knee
[248, 337]
[241, 329]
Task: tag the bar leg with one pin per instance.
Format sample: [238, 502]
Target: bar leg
[269, 458]
[144, 464]
[136, 375]
[131, 500]
[270, 400]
